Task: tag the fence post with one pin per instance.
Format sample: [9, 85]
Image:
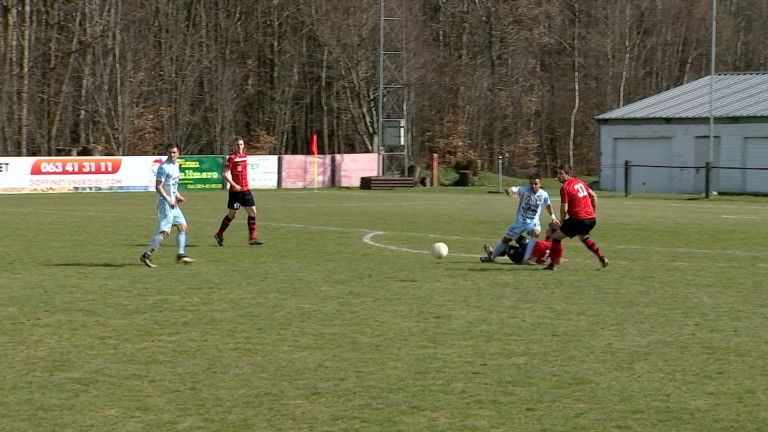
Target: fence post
[626, 178]
[501, 166]
[433, 167]
[707, 184]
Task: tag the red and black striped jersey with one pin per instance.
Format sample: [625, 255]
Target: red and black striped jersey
[237, 164]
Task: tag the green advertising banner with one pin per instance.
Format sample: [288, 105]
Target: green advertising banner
[200, 172]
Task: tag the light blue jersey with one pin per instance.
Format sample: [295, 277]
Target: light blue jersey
[528, 211]
[169, 173]
[530, 205]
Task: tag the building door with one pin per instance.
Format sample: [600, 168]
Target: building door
[645, 151]
[756, 156]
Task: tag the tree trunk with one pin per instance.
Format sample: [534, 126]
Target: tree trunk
[26, 40]
[576, 71]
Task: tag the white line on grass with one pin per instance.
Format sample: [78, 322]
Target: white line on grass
[367, 204]
[368, 239]
[719, 205]
[369, 234]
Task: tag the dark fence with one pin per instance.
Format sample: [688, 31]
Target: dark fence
[707, 167]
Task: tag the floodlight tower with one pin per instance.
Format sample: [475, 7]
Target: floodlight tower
[393, 139]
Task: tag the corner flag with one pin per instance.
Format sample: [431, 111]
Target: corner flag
[313, 145]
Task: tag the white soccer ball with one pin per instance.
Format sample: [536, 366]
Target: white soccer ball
[439, 250]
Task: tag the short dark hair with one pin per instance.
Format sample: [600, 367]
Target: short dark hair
[176, 146]
[534, 176]
[566, 169]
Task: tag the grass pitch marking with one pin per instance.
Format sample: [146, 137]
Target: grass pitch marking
[370, 234]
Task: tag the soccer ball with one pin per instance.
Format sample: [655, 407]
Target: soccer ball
[439, 250]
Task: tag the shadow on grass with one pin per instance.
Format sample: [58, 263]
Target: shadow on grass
[511, 267]
[91, 265]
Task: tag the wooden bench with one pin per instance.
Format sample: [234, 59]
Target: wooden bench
[386, 182]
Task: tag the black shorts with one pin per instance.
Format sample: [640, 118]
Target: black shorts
[240, 199]
[574, 227]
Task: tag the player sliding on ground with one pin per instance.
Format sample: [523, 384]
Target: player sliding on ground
[532, 199]
[531, 251]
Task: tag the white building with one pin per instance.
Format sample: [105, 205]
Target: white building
[672, 128]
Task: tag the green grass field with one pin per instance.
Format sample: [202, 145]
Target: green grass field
[343, 322]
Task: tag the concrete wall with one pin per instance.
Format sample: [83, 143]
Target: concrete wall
[684, 143]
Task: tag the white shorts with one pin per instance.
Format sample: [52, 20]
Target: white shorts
[167, 217]
[519, 227]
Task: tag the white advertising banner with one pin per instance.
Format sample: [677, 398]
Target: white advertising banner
[76, 174]
[262, 172]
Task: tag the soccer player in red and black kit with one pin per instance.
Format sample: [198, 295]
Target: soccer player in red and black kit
[236, 174]
[579, 203]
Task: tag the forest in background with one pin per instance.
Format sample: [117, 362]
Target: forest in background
[516, 79]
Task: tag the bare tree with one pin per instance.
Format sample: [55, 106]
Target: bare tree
[486, 78]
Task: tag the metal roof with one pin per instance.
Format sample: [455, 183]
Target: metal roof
[735, 95]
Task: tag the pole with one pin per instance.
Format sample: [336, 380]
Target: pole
[707, 171]
[712, 35]
[626, 178]
[500, 180]
[313, 150]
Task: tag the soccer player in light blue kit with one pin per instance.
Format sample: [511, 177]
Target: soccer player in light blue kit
[532, 199]
[168, 212]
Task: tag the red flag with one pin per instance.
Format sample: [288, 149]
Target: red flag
[313, 144]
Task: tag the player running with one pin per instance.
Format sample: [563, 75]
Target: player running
[579, 203]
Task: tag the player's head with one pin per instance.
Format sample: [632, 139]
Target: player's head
[238, 145]
[551, 230]
[564, 172]
[173, 152]
[535, 181]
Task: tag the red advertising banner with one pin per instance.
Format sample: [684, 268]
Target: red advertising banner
[75, 166]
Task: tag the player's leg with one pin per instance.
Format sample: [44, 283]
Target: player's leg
[232, 205]
[162, 230]
[590, 244]
[556, 250]
[529, 249]
[513, 232]
[156, 241]
[499, 250]
[248, 202]
[181, 237]
[534, 230]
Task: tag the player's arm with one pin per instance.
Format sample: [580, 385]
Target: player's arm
[512, 191]
[593, 199]
[227, 174]
[563, 204]
[159, 183]
[551, 211]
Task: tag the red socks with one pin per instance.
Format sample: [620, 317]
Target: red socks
[224, 225]
[592, 247]
[556, 252]
[252, 228]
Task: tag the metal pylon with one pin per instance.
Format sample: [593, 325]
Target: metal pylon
[393, 139]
